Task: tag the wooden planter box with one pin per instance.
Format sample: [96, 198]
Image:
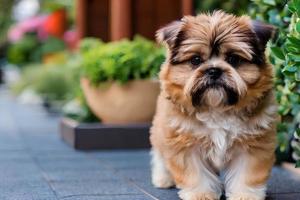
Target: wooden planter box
[89, 136]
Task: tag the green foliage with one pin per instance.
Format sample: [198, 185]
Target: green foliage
[232, 6]
[54, 82]
[5, 18]
[298, 163]
[285, 55]
[49, 6]
[89, 43]
[24, 50]
[78, 110]
[52, 45]
[121, 61]
[30, 50]
[58, 84]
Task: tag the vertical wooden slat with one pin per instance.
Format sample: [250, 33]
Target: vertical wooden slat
[92, 19]
[97, 19]
[165, 16]
[143, 19]
[149, 15]
[81, 17]
[187, 7]
[120, 24]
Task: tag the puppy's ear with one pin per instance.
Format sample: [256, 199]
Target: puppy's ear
[169, 33]
[264, 32]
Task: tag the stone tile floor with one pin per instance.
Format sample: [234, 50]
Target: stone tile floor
[35, 164]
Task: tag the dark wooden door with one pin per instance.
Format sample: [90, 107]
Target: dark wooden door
[149, 15]
[95, 17]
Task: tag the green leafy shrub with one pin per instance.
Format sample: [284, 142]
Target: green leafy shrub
[25, 50]
[89, 43]
[78, 110]
[5, 19]
[52, 45]
[54, 82]
[232, 6]
[30, 49]
[285, 55]
[58, 85]
[121, 61]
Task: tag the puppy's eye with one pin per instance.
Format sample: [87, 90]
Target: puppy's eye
[234, 60]
[196, 60]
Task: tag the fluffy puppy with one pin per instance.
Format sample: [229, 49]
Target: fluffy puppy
[216, 111]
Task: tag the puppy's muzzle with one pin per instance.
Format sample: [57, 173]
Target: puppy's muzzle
[214, 73]
[213, 79]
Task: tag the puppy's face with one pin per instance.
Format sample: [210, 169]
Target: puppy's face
[215, 60]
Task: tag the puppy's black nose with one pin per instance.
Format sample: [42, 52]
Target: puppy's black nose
[214, 73]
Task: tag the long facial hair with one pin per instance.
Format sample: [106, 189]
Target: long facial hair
[201, 94]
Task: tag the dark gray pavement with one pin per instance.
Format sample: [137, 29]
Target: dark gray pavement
[35, 164]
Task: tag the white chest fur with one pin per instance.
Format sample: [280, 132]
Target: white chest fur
[222, 129]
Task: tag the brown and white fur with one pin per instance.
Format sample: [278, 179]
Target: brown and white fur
[211, 121]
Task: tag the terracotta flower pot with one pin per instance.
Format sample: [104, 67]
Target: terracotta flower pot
[113, 103]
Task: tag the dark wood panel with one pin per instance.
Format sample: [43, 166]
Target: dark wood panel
[101, 136]
[97, 19]
[167, 11]
[143, 19]
[94, 16]
[149, 15]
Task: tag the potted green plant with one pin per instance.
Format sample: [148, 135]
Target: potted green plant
[119, 79]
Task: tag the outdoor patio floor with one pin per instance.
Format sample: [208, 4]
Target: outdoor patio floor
[35, 164]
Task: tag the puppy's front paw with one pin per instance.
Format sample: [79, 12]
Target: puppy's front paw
[194, 195]
[245, 197]
[162, 181]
